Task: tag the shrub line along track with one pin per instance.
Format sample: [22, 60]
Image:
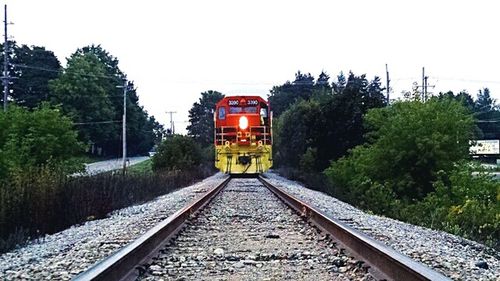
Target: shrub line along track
[384, 262]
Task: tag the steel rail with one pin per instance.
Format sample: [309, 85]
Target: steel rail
[384, 262]
[122, 264]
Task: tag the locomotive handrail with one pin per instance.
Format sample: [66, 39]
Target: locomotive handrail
[220, 134]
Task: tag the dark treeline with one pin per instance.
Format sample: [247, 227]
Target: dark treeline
[319, 121]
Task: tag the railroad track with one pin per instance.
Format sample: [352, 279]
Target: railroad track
[239, 230]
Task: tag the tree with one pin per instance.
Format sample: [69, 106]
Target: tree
[339, 86]
[177, 152]
[487, 114]
[142, 131]
[201, 118]
[81, 92]
[282, 97]
[463, 97]
[411, 144]
[33, 68]
[484, 101]
[326, 126]
[34, 138]
[295, 131]
[92, 77]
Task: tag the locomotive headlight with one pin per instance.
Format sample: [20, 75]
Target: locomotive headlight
[243, 122]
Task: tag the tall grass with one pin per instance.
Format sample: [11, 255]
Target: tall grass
[43, 201]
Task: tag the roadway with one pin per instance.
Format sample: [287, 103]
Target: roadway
[110, 165]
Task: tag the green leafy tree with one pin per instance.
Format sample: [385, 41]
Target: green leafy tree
[410, 143]
[142, 131]
[81, 92]
[177, 152]
[34, 138]
[88, 92]
[463, 97]
[33, 68]
[282, 97]
[201, 118]
[297, 129]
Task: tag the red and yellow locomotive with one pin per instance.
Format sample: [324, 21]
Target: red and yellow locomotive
[243, 135]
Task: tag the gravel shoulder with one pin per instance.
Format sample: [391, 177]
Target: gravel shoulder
[63, 255]
[448, 254]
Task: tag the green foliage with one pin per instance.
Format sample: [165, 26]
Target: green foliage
[413, 169]
[326, 124]
[201, 118]
[35, 138]
[462, 204]
[81, 92]
[177, 152]
[33, 68]
[302, 88]
[88, 92]
[308, 160]
[295, 132]
[411, 143]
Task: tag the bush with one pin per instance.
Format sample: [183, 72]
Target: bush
[177, 153]
[34, 138]
[462, 204]
[43, 200]
[414, 170]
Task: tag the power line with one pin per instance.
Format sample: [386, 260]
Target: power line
[62, 71]
[97, 122]
[465, 80]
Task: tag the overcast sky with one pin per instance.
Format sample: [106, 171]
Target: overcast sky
[174, 50]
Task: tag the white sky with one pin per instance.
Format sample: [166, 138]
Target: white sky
[174, 50]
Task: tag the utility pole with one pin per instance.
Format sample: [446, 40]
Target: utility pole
[387, 84]
[5, 77]
[172, 126]
[124, 126]
[425, 85]
[423, 81]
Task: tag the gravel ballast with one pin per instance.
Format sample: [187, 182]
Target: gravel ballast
[453, 256]
[247, 233]
[63, 255]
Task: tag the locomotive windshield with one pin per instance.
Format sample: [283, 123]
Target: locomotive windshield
[234, 109]
[247, 109]
[251, 109]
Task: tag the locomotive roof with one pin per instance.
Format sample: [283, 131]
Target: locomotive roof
[225, 100]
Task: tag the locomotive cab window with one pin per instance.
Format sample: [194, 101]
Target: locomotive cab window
[222, 113]
[234, 110]
[263, 112]
[251, 109]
